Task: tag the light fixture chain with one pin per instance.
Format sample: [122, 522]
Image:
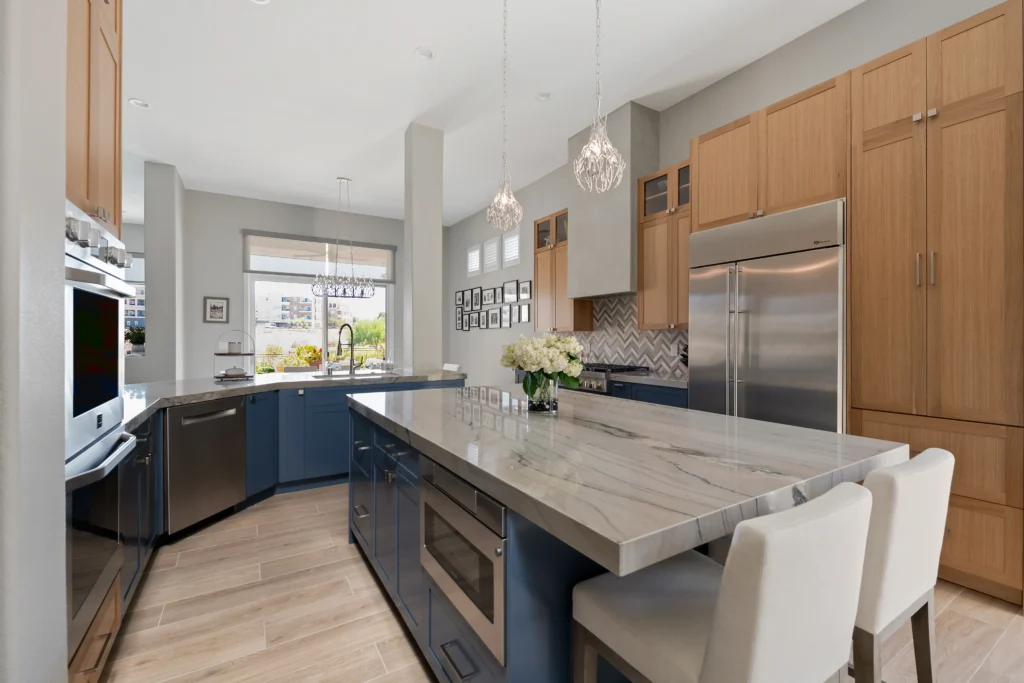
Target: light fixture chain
[504, 92]
[348, 209]
[597, 54]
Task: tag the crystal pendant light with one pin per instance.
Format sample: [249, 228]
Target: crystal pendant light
[599, 166]
[505, 213]
[349, 286]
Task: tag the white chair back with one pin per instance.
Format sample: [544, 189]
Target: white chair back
[908, 519]
[451, 367]
[789, 590]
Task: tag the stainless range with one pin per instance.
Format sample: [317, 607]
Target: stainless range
[596, 377]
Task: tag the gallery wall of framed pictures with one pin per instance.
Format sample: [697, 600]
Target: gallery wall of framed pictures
[492, 308]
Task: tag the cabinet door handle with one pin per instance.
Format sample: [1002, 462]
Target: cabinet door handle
[917, 269]
[932, 113]
[931, 267]
[389, 476]
[453, 644]
[760, 213]
[917, 117]
[360, 449]
[750, 214]
[360, 515]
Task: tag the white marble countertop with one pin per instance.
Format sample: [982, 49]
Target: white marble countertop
[627, 484]
[142, 400]
[658, 379]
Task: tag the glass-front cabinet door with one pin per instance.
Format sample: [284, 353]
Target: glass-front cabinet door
[542, 228]
[665, 192]
[681, 174]
[655, 195]
[561, 227]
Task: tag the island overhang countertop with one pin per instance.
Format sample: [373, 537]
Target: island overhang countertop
[627, 484]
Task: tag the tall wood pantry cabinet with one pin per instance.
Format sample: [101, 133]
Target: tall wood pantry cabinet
[663, 249]
[794, 153]
[936, 276]
[553, 310]
[93, 123]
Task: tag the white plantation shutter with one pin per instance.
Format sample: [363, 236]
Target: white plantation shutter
[473, 261]
[491, 255]
[510, 249]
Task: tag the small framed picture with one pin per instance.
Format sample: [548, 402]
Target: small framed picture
[474, 319]
[215, 309]
[494, 398]
[506, 316]
[525, 290]
[458, 322]
[467, 299]
[458, 311]
[474, 393]
[488, 297]
[511, 289]
[524, 313]
[498, 295]
[494, 318]
[515, 315]
[465, 322]
[477, 298]
[483, 320]
[458, 298]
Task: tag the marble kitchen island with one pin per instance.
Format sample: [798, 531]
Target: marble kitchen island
[608, 483]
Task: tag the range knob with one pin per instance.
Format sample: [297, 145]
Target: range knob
[121, 258]
[128, 261]
[77, 231]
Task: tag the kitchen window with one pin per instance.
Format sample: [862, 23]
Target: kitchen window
[510, 249]
[473, 261]
[491, 262]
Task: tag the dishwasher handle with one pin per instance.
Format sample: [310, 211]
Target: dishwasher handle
[207, 417]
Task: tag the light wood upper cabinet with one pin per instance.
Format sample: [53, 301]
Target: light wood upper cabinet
[543, 231]
[888, 238]
[77, 116]
[804, 148]
[655, 274]
[976, 251]
[543, 290]
[665, 192]
[724, 171]
[554, 311]
[682, 260]
[977, 60]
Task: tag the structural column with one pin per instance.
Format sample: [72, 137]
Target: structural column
[422, 253]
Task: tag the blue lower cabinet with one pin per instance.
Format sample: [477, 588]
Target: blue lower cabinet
[361, 505]
[261, 442]
[291, 435]
[326, 446]
[621, 390]
[412, 583]
[457, 649]
[385, 516]
[665, 396]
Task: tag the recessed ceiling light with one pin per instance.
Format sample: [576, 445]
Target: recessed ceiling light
[261, 2]
[424, 53]
[543, 96]
[136, 102]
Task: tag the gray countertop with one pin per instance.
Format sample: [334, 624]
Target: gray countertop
[654, 378]
[142, 400]
[627, 484]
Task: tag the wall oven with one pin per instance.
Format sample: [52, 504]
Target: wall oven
[462, 548]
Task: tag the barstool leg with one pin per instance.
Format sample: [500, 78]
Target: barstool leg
[922, 624]
[584, 656]
[867, 657]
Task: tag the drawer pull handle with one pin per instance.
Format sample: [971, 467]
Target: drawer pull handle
[389, 476]
[361, 515]
[363, 448]
[454, 644]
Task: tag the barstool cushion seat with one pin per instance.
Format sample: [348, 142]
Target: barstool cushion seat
[657, 619]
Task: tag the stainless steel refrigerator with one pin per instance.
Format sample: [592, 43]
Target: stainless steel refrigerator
[767, 317]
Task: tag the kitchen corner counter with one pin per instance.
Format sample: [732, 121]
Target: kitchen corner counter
[144, 399]
[627, 484]
[652, 378]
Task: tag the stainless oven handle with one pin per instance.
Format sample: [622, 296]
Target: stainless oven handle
[89, 277]
[103, 469]
[455, 667]
[206, 417]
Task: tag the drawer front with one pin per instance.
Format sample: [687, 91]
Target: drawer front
[456, 648]
[361, 507]
[87, 664]
[984, 547]
[989, 458]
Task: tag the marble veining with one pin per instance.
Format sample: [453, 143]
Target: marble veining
[628, 484]
[144, 399]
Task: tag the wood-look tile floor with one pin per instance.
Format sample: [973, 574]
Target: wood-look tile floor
[276, 594]
[272, 594]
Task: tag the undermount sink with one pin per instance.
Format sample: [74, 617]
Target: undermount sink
[346, 376]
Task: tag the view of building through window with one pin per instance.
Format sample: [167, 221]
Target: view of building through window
[292, 327]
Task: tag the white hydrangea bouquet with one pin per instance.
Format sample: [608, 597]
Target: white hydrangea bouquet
[546, 362]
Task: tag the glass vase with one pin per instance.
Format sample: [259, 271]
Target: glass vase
[544, 399]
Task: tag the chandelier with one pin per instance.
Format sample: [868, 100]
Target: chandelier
[344, 286]
[599, 166]
[505, 213]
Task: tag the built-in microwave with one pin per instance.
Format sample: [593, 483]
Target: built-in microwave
[94, 295]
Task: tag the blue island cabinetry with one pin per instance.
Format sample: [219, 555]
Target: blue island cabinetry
[649, 393]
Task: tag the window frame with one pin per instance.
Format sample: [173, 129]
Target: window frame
[479, 260]
[496, 243]
[317, 240]
[507, 262]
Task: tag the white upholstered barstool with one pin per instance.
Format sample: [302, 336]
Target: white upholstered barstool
[908, 519]
[782, 608]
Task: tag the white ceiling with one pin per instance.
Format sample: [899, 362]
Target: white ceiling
[274, 101]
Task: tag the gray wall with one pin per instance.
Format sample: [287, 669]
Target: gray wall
[213, 258]
[33, 617]
[865, 32]
[479, 351]
[134, 237]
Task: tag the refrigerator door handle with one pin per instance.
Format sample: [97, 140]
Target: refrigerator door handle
[731, 313]
[735, 346]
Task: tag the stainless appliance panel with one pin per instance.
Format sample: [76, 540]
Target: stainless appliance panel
[204, 460]
[789, 339]
[466, 560]
[711, 332]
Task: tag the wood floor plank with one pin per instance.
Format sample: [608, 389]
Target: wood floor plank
[257, 548]
[352, 667]
[397, 653]
[286, 527]
[159, 666]
[254, 515]
[992, 611]
[245, 553]
[164, 558]
[214, 583]
[261, 590]
[414, 673]
[313, 558]
[362, 580]
[1006, 662]
[277, 662]
[211, 539]
[328, 614]
[961, 645]
[142, 619]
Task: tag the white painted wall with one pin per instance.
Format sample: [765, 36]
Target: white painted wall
[134, 237]
[33, 612]
[479, 351]
[213, 258]
[865, 32]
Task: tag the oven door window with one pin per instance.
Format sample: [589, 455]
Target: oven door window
[471, 569]
[91, 537]
[96, 349]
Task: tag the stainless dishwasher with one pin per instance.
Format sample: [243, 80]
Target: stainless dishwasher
[205, 460]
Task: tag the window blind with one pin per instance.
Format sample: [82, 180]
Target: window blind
[473, 261]
[309, 256]
[491, 262]
[510, 249]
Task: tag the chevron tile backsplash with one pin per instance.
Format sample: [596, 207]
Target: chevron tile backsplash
[616, 339]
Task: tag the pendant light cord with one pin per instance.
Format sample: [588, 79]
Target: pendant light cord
[351, 243]
[597, 54]
[504, 94]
